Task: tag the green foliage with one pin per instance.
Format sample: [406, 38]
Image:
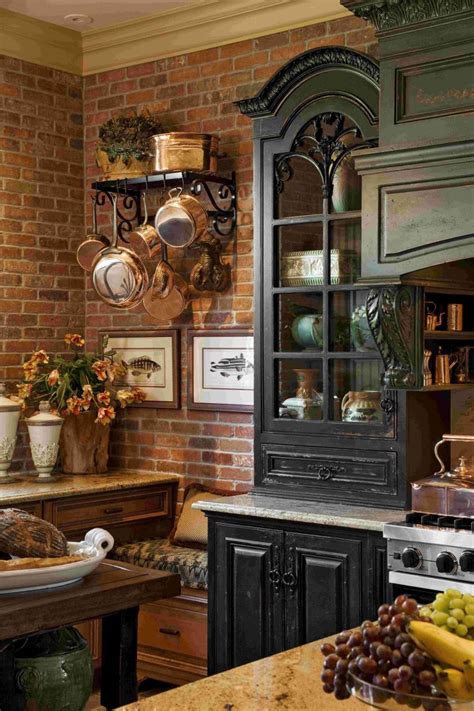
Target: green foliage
[128, 136]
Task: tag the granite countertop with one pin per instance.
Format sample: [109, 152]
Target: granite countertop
[28, 487]
[289, 680]
[261, 506]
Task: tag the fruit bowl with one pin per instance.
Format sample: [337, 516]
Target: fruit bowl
[391, 700]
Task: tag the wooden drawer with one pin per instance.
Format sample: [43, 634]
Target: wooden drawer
[32, 507]
[363, 473]
[173, 628]
[120, 507]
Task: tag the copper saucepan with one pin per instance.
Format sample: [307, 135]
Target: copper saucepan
[168, 294]
[181, 220]
[94, 242]
[145, 235]
[118, 275]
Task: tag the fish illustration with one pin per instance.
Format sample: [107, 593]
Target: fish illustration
[238, 366]
[143, 365]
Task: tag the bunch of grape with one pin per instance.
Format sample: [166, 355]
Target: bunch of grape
[383, 654]
[452, 611]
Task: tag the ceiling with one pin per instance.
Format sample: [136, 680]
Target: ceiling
[103, 12]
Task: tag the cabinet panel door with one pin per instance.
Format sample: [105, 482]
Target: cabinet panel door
[245, 608]
[326, 596]
[377, 590]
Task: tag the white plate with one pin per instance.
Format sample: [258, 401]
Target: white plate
[95, 546]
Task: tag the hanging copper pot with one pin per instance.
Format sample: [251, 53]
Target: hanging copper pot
[94, 242]
[181, 220]
[168, 295]
[118, 275]
[145, 235]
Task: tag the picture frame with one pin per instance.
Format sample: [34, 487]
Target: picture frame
[155, 355]
[221, 370]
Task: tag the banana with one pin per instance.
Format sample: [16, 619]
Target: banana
[454, 684]
[469, 672]
[444, 647]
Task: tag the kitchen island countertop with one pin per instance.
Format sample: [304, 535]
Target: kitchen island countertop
[288, 681]
[323, 513]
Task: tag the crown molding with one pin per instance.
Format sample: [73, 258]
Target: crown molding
[201, 25]
[40, 42]
[204, 24]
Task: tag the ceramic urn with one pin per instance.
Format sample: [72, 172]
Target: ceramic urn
[9, 416]
[44, 429]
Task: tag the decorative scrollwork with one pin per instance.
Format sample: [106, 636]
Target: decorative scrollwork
[386, 14]
[224, 212]
[131, 203]
[264, 103]
[210, 273]
[391, 314]
[323, 149]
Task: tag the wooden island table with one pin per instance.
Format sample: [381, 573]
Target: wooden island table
[113, 592]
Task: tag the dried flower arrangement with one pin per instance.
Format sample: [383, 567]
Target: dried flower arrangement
[83, 383]
[127, 136]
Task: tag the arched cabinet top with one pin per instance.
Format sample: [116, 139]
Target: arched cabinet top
[334, 76]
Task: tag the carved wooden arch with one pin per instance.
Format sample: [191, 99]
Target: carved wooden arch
[301, 68]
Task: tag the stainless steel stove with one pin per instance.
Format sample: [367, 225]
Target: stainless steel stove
[430, 552]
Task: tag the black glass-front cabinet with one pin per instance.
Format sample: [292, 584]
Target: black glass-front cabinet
[326, 427]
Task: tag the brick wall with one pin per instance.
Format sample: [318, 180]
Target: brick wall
[41, 214]
[195, 92]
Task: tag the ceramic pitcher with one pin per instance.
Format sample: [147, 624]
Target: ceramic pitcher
[361, 406]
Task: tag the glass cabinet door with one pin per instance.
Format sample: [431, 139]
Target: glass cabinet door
[323, 364]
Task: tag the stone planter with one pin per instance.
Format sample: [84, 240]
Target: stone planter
[119, 170]
[84, 445]
[53, 671]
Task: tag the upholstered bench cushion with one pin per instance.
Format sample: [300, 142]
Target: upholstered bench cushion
[159, 553]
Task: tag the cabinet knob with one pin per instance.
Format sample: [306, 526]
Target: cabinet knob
[289, 579]
[275, 577]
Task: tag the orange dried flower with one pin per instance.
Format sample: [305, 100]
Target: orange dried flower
[74, 405]
[105, 415]
[104, 398]
[100, 369]
[74, 339]
[53, 377]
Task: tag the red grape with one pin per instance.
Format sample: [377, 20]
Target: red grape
[367, 665]
[383, 610]
[328, 688]
[410, 606]
[401, 639]
[343, 638]
[393, 675]
[416, 660]
[327, 648]
[384, 652]
[380, 680]
[342, 650]
[405, 672]
[406, 649]
[342, 666]
[384, 620]
[355, 640]
[400, 600]
[327, 675]
[331, 661]
[342, 694]
[426, 678]
[401, 685]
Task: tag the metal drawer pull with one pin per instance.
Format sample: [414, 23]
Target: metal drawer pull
[275, 577]
[289, 578]
[114, 509]
[168, 630]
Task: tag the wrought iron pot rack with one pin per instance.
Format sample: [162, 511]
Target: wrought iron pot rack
[219, 191]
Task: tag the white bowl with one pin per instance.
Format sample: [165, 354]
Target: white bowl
[95, 546]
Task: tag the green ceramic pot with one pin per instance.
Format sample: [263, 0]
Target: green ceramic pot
[362, 338]
[53, 671]
[307, 330]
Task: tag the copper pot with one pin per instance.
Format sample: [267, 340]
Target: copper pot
[146, 235]
[181, 220]
[118, 275]
[93, 244]
[184, 151]
[168, 295]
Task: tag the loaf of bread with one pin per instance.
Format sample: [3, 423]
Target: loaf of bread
[30, 563]
[27, 536]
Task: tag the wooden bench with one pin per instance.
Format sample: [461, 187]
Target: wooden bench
[172, 634]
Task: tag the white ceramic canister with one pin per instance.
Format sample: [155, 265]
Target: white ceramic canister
[9, 416]
[44, 429]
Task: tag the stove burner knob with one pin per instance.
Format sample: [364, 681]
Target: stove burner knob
[446, 562]
[412, 558]
[466, 562]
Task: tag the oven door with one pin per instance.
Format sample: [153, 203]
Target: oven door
[422, 588]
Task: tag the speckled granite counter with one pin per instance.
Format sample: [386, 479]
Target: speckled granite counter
[29, 488]
[289, 680]
[370, 519]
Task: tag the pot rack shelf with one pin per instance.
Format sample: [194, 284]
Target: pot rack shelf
[219, 191]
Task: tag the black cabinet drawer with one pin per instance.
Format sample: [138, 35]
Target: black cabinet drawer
[353, 472]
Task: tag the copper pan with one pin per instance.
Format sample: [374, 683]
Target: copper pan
[145, 235]
[94, 242]
[119, 276]
[184, 151]
[181, 220]
[168, 296]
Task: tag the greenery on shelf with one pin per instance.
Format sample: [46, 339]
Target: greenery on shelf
[127, 136]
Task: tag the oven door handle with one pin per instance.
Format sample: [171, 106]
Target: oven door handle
[425, 583]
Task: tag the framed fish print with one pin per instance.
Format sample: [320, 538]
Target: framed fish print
[220, 370]
[152, 360]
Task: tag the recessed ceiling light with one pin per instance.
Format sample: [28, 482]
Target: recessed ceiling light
[76, 19]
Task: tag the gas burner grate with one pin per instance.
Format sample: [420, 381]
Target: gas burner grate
[437, 521]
